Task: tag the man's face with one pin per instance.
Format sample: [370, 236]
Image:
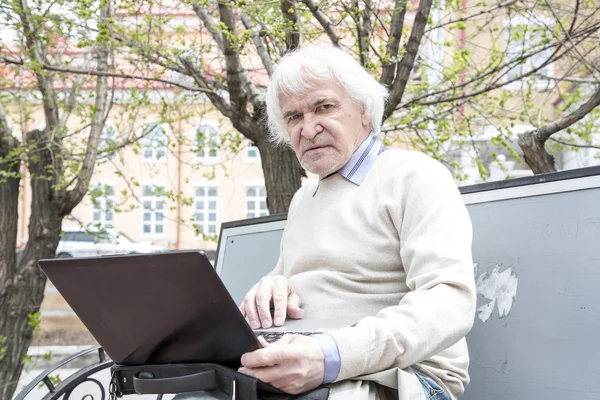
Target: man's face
[325, 127]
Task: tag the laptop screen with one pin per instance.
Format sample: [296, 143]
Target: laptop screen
[248, 250]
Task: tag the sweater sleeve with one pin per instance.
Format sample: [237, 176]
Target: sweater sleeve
[434, 230]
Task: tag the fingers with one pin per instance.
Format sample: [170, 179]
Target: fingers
[264, 294]
[257, 303]
[249, 307]
[271, 353]
[262, 341]
[293, 305]
[265, 357]
[294, 364]
[288, 381]
[280, 300]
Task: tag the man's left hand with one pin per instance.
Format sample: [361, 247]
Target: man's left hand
[294, 364]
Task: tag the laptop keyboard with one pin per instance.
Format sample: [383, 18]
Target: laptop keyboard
[272, 337]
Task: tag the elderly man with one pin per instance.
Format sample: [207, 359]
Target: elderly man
[383, 237]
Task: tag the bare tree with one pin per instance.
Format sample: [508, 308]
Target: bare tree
[54, 192]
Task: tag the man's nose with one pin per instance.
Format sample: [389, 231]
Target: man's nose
[311, 126]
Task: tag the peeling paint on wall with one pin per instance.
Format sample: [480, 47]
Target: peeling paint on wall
[499, 288]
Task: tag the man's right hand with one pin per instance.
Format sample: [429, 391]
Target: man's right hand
[257, 303]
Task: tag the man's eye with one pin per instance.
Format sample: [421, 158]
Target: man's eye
[293, 117]
[325, 106]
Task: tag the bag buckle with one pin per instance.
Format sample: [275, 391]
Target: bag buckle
[112, 387]
[233, 389]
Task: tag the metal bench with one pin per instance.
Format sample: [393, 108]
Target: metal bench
[67, 386]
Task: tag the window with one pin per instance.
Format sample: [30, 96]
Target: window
[153, 204]
[108, 141]
[256, 201]
[207, 142]
[103, 205]
[154, 142]
[524, 36]
[252, 153]
[205, 209]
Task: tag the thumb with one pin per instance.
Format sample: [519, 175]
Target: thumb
[293, 307]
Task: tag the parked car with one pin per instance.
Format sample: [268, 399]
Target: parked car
[82, 243]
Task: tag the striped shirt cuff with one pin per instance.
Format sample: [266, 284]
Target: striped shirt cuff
[331, 356]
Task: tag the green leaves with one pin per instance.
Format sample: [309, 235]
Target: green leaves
[34, 321]
[3, 347]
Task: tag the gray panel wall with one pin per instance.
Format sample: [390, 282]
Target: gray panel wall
[548, 345]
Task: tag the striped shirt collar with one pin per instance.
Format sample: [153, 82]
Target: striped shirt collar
[361, 161]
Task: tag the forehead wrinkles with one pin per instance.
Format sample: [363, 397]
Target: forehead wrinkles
[294, 100]
[306, 101]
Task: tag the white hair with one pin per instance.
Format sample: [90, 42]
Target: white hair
[297, 73]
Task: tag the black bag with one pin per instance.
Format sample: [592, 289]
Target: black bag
[181, 378]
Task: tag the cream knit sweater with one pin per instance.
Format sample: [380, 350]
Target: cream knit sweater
[394, 253]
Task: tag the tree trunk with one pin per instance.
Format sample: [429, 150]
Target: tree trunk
[535, 154]
[9, 200]
[282, 173]
[23, 285]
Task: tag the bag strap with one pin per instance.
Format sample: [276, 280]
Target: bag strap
[145, 383]
[180, 378]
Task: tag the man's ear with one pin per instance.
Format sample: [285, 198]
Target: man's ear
[364, 117]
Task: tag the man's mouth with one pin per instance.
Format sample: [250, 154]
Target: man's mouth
[315, 148]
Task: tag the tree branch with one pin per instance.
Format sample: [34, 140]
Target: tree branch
[590, 66]
[408, 59]
[571, 80]
[542, 134]
[575, 13]
[363, 30]
[581, 146]
[236, 78]
[74, 196]
[473, 16]
[210, 23]
[143, 52]
[36, 52]
[71, 100]
[323, 21]
[218, 101]
[389, 69]
[290, 15]
[280, 46]
[264, 55]
[494, 85]
[111, 74]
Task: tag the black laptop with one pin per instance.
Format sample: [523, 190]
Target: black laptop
[154, 308]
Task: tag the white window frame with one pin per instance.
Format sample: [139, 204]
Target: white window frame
[154, 207]
[531, 23]
[256, 199]
[204, 152]
[151, 144]
[202, 216]
[103, 205]
[250, 148]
